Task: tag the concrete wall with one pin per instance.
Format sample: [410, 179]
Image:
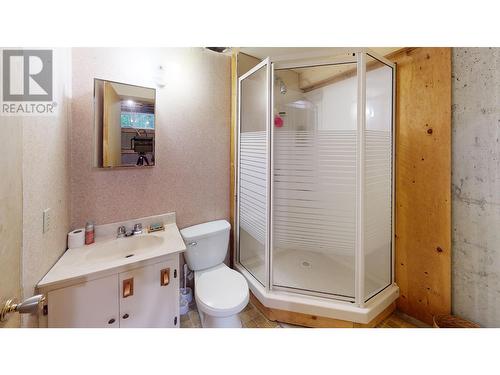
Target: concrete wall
[476, 184]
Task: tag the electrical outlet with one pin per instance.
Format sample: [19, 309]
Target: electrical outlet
[47, 213]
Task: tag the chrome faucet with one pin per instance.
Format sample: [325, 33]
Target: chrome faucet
[137, 228]
[122, 232]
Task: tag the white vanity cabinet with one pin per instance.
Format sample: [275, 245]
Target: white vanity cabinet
[91, 304]
[142, 297]
[149, 296]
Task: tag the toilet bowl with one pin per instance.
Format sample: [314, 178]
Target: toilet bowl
[220, 292]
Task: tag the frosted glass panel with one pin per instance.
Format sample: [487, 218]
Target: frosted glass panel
[253, 173]
[378, 170]
[311, 156]
[314, 180]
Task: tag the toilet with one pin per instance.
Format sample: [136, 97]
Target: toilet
[220, 292]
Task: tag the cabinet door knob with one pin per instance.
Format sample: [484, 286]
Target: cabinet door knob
[165, 276]
[125, 316]
[111, 321]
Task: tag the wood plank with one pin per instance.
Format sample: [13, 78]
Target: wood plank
[111, 127]
[423, 178]
[386, 313]
[299, 319]
[350, 72]
[232, 172]
[316, 321]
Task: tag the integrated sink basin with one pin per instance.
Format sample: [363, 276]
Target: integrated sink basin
[126, 247]
[107, 255]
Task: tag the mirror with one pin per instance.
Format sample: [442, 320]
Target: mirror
[124, 125]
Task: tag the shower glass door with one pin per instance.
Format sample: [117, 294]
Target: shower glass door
[378, 176]
[314, 184]
[315, 172]
[253, 171]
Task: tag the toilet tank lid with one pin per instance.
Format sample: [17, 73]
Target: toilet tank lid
[204, 230]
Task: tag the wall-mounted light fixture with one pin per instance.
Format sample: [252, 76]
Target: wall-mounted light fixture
[159, 77]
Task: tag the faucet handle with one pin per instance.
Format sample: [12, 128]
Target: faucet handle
[138, 228]
[121, 231]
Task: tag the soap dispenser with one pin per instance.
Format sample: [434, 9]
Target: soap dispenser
[89, 233]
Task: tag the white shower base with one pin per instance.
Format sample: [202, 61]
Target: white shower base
[311, 272]
[316, 272]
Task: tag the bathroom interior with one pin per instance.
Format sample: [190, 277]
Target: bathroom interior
[254, 187]
[319, 196]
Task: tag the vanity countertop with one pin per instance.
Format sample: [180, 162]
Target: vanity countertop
[111, 256]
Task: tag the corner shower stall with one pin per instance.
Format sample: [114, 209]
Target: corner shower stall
[315, 184]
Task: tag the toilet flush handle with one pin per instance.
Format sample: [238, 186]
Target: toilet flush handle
[194, 243]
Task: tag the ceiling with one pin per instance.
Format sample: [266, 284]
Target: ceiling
[311, 78]
[298, 52]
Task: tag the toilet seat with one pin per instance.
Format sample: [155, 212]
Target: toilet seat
[220, 291]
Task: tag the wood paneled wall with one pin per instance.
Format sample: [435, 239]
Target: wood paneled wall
[423, 180]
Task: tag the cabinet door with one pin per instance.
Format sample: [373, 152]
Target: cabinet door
[93, 304]
[144, 301]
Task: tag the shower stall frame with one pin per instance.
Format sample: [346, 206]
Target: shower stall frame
[362, 310]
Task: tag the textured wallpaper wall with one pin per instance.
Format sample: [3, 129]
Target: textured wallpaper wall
[11, 214]
[46, 183]
[191, 176]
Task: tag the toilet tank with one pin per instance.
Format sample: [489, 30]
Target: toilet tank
[206, 244]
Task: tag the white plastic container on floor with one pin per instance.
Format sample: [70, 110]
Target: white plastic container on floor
[183, 306]
[186, 294]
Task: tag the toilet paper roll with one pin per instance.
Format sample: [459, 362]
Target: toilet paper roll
[76, 238]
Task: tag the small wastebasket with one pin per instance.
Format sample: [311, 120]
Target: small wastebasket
[452, 321]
